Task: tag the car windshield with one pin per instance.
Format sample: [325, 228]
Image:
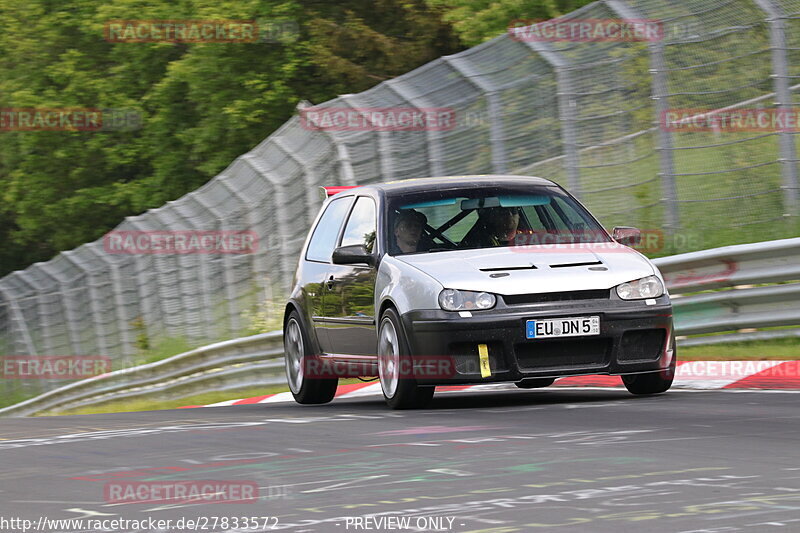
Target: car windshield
[474, 218]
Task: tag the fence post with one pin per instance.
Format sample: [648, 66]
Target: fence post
[71, 321]
[383, 138]
[231, 297]
[346, 173]
[494, 107]
[567, 111]
[94, 309]
[776, 17]
[19, 319]
[660, 94]
[283, 218]
[436, 151]
[310, 178]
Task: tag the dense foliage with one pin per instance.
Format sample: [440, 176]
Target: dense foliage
[202, 104]
[476, 21]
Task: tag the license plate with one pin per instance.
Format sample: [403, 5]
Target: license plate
[563, 327]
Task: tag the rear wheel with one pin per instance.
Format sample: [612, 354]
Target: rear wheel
[400, 388]
[535, 383]
[653, 382]
[306, 384]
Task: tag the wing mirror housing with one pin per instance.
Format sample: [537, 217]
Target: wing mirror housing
[627, 235]
[353, 255]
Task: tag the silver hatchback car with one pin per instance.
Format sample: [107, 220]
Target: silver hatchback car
[471, 279]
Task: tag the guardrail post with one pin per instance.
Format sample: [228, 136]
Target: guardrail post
[660, 95]
[776, 17]
[567, 111]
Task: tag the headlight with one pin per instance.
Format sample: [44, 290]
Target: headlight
[455, 300]
[649, 287]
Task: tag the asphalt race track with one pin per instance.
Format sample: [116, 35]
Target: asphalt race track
[544, 460]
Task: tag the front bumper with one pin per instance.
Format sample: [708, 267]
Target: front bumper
[634, 338]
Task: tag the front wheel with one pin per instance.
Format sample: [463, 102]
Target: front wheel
[306, 383]
[395, 367]
[653, 382]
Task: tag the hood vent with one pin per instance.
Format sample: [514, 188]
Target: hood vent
[584, 264]
[504, 269]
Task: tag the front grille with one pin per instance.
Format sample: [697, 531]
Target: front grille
[564, 353]
[642, 345]
[566, 296]
[467, 360]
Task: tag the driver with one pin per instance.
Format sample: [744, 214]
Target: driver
[496, 226]
[408, 230]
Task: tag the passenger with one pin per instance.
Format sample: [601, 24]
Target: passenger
[408, 230]
[496, 226]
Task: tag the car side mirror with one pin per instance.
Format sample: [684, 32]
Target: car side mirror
[352, 255]
[627, 235]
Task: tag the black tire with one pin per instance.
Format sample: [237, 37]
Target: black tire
[400, 388]
[305, 381]
[535, 383]
[653, 382]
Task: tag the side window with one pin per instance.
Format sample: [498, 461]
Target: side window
[324, 238]
[361, 225]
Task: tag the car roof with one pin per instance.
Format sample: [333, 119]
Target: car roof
[450, 182]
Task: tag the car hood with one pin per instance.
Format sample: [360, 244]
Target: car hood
[558, 268]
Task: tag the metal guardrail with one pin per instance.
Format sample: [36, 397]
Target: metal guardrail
[729, 266]
[736, 304]
[248, 361]
[257, 360]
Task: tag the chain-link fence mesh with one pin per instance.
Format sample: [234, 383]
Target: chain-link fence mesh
[585, 114]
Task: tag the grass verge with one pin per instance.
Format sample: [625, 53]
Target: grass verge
[776, 349]
[154, 404]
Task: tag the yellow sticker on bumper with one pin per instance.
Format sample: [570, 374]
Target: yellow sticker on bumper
[483, 354]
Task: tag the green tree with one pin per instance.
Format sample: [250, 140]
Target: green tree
[202, 104]
[476, 21]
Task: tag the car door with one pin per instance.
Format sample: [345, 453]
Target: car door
[317, 267]
[351, 328]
